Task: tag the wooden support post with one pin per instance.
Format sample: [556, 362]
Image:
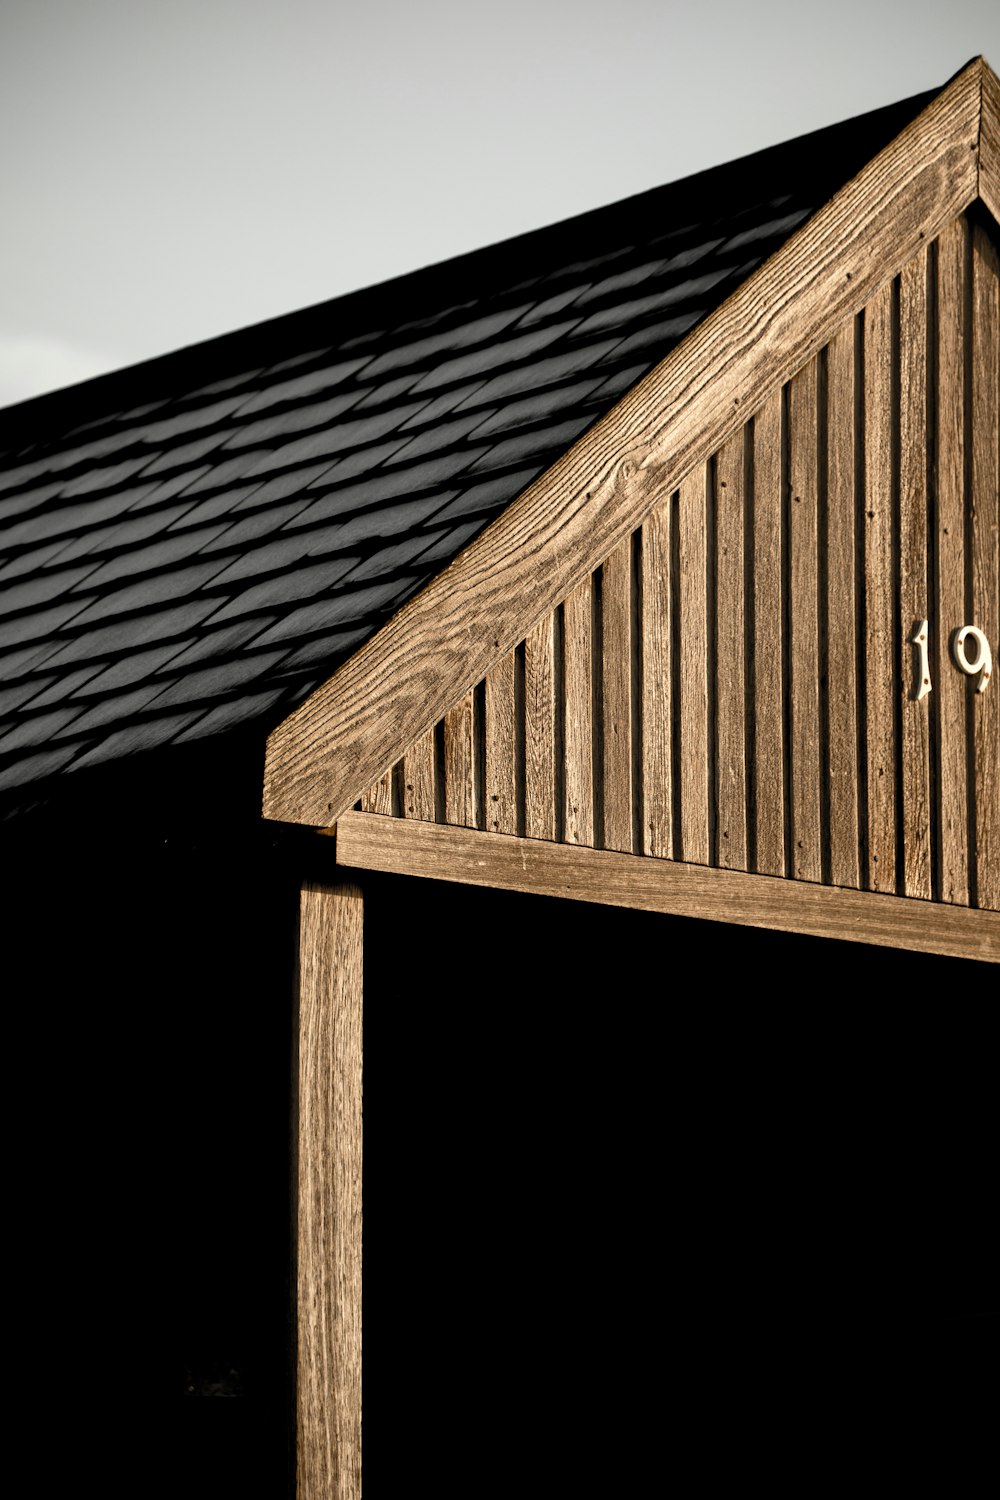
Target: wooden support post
[328, 1401]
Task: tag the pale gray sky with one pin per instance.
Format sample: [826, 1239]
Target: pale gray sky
[173, 169]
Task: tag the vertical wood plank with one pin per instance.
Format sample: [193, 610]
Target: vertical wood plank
[768, 646]
[617, 698]
[694, 668]
[949, 610]
[540, 731]
[578, 710]
[657, 794]
[501, 796]
[986, 559]
[730, 702]
[841, 662]
[328, 1392]
[803, 655]
[879, 653]
[378, 797]
[459, 764]
[914, 604]
[419, 779]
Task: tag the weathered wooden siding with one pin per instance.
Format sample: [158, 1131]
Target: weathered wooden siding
[737, 685]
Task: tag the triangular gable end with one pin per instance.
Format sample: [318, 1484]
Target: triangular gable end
[673, 701]
[750, 681]
[440, 644]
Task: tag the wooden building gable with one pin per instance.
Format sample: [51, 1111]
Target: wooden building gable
[745, 625]
[651, 561]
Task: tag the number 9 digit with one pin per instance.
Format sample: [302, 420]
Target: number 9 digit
[982, 662]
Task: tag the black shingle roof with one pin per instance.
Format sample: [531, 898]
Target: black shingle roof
[196, 543]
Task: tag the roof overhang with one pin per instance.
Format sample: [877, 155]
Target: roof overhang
[357, 724]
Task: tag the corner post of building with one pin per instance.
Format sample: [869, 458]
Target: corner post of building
[328, 1389]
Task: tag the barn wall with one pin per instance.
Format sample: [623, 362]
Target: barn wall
[738, 685]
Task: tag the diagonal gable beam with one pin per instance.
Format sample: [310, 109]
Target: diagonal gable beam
[405, 678]
[989, 142]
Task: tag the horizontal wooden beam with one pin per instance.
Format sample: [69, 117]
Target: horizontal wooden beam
[403, 847]
[352, 729]
[989, 143]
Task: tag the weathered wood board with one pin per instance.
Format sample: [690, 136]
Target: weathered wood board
[738, 684]
[328, 1386]
[582, 508]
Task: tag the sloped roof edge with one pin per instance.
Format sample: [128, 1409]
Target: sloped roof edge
[352, 728]
[408, 295]
[175, 569]
[989, 141]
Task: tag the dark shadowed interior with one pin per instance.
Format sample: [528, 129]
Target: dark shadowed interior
[634, 1184]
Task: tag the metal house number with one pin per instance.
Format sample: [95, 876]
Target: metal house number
[968, 636]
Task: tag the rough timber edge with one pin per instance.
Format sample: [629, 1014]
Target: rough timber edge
[989, 141]
[351, 729]
[472, 857]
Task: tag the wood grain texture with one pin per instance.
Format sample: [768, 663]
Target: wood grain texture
[730, 675]
[500, 748]
[420, 779]
[448, 636]
[989, 142]
[841, 604]
[806, 861]
[768, 650]
[616, 697]
[540, 817]
[657, 697]
[662, 885]
[914, 594]
[460, 763]
[578, 715]
[880, 675]
[949, 605]
[328, 1391]
[985, 706]
[818, 535]
[694, 669]
[378, 797]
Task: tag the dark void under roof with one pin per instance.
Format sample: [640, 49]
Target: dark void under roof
[193, 545]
